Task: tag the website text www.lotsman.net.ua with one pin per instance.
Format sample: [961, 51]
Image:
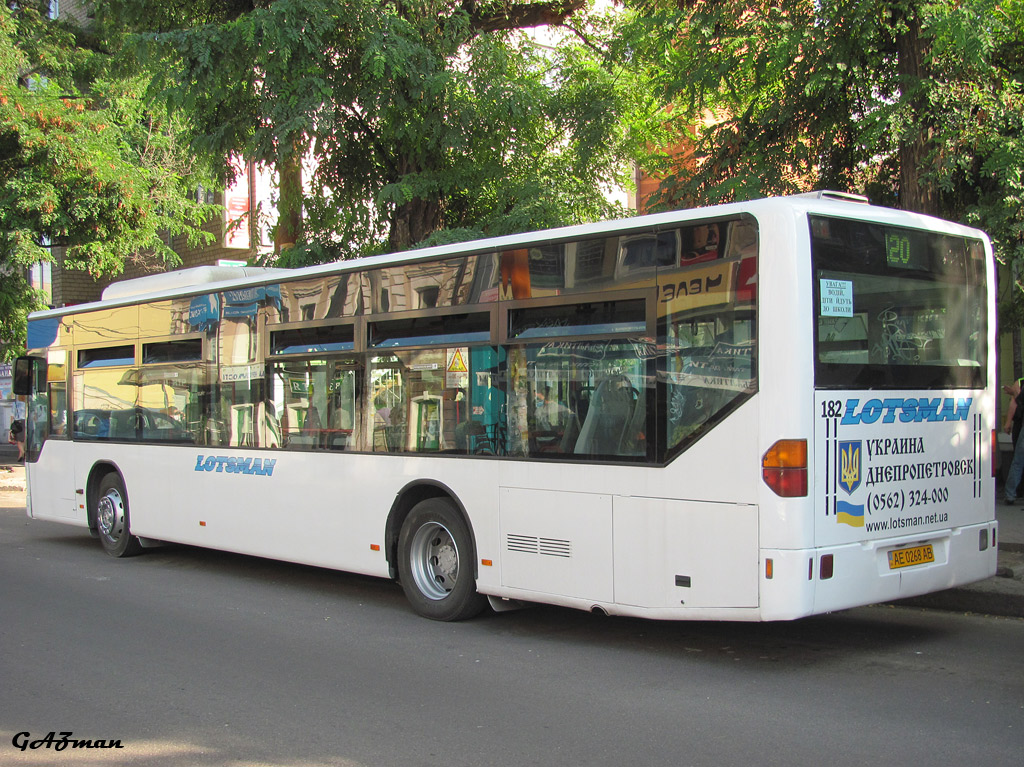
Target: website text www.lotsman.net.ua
[907, 523]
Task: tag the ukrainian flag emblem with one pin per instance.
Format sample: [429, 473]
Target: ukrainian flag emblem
[849, 465]
[850, 514]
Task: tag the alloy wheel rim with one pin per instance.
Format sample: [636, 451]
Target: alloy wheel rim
[434, 560]
[110, 515]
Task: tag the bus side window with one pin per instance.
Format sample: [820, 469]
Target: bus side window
[312, 405]
[586, 400]
[341, 426]
[388, 408]
[439, 399]
[58, 405]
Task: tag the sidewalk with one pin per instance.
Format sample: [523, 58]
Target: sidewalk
[12, 473]
[1001, 595]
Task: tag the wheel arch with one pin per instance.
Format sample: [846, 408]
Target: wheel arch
[405, 500]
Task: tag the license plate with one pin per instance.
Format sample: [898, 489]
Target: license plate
[916, 555]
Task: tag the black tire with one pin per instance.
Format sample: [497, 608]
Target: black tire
[113, 524]
[435, 562]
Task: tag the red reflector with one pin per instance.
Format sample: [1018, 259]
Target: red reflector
[825, 567]
[995, 453]
[788, 483]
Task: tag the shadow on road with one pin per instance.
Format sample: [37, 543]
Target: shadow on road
[834, 638]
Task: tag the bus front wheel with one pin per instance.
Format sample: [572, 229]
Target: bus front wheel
[435, 562]
[112, 522]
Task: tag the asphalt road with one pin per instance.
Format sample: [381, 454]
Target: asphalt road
[191, 657]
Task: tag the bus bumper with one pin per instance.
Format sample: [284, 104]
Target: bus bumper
[840, 577]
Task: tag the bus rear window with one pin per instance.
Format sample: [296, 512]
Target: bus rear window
[897, 308]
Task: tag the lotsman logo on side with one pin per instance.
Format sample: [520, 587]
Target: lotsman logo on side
[849, 470]
[910, 410]
[231, 465]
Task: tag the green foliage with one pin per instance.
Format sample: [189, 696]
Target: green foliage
[917, 104]
[419, 116]
[979, 162]
[83, 163]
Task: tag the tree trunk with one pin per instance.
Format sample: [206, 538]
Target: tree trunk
[289, 206]
[914, 194]
[413, 222]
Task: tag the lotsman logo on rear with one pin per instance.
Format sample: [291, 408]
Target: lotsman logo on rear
[908, 410]
[232, 465]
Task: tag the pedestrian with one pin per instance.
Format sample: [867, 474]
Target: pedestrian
[17, 437]
[1012, 426]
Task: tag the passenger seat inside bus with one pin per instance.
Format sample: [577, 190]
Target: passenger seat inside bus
[612, 415]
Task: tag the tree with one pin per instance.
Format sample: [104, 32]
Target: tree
[918, 104]
[420, 116]
[83, 164]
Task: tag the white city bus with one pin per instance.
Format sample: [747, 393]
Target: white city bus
[755, 411]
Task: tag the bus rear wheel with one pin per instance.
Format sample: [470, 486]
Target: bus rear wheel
[435, 562]
[112, 521]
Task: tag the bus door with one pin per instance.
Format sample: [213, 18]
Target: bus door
[48, 457]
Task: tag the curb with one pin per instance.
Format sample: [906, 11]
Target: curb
[971, 599]
[1002, 594]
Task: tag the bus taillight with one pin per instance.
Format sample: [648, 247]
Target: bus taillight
[784, 468]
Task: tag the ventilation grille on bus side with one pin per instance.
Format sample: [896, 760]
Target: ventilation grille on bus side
[531, 544]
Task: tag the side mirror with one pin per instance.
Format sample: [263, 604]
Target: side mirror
[25, 369]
